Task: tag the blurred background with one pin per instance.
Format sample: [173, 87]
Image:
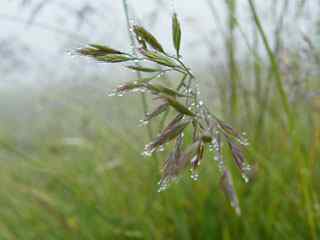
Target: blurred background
[70, 156]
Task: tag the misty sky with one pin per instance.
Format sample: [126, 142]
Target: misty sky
[36, 35]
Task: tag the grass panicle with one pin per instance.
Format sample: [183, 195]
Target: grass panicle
[185, 100]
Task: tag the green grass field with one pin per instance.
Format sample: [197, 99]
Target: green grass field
[77, 176]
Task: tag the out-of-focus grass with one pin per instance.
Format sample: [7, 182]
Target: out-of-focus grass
[92, 182]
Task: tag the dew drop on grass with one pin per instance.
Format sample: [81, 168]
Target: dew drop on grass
[210, 147]
[246, 171]
[221, 166]
[161, 148]
[245, 178]
[138, 90]
[146, 153]
[243, 141]
[218, 157]
[143, 122]
[163, 187]
[132, 22]
[72, 53]
[148, 150]
[194, 175]
[163, 184]
[220, 162]
[237, 209]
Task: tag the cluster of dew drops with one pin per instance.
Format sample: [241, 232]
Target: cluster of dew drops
[214, 146]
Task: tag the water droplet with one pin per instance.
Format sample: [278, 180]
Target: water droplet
[237, 209]
[143, 122]
[139, 90]
[161, 148]
[163, 184]
[210, 147]
[246, 167]
[131, 24]
[245, 178]
[148, 150]
[194, 175]
[146, 153]
[221, 166]
[111, 94]
[72, 53]
[162, 187]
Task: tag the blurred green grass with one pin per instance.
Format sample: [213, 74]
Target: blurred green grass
[76, 175]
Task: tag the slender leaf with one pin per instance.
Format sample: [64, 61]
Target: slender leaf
[105, 49]
[144, 36]
[144, 69]
[95, 50]
[113, 58]
[164, 90]
[168, 134]
[178, 106]
[228, 188]
[176, 33]
[159, 58]
[237, 155]
[160, 109]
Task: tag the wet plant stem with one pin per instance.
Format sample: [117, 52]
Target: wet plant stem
[139, 75]
[274, 65]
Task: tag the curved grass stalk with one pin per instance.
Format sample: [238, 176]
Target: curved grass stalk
[275, 71]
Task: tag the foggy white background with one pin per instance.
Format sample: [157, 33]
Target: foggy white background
[35, 35]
